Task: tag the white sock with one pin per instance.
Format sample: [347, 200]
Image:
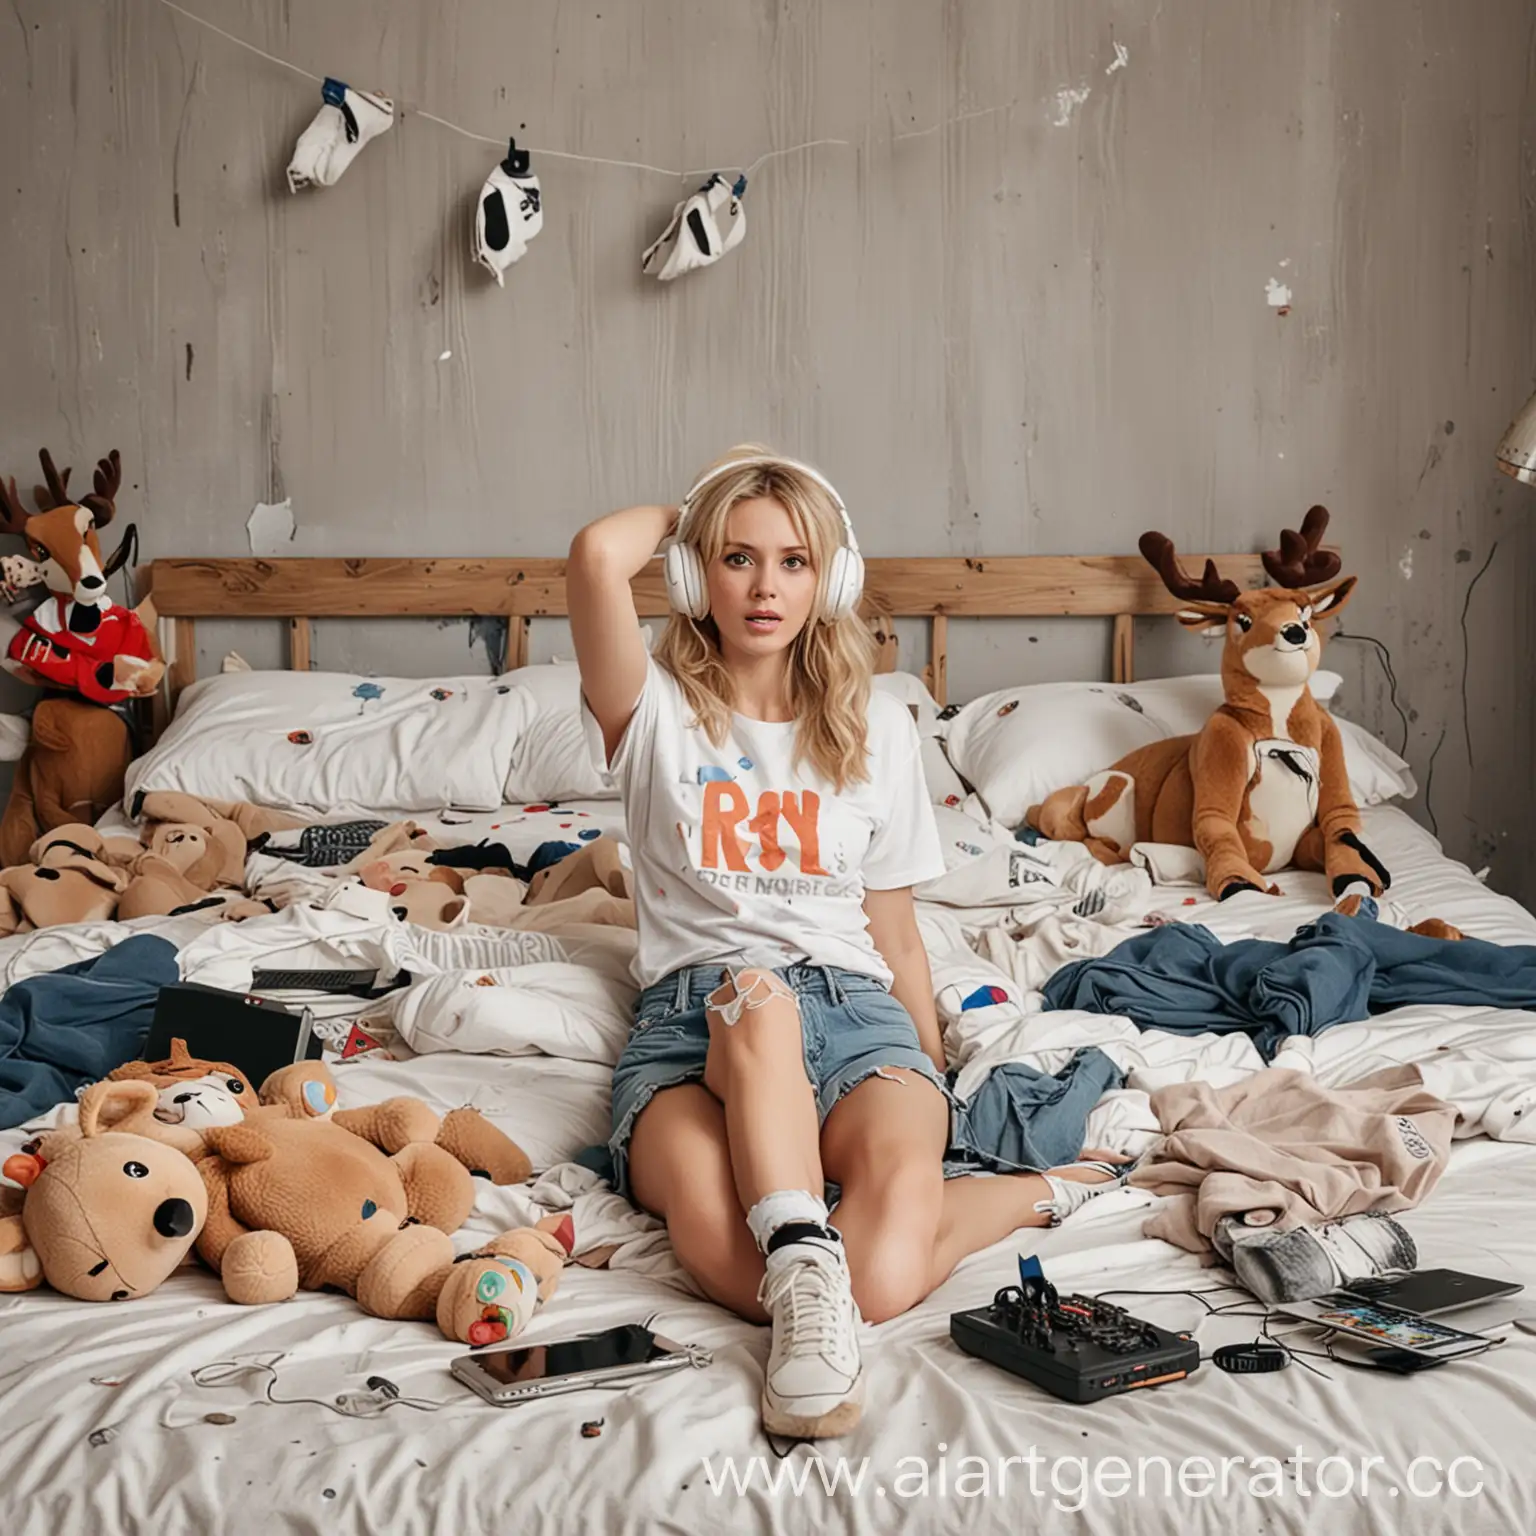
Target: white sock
[1068, 1195]
[779, 1209]
[1356, 900]
[347, 121]
[698, 234]
[509, 214]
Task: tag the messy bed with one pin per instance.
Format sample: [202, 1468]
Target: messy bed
[507, 989]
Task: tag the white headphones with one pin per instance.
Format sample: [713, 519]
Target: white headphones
[683, 567]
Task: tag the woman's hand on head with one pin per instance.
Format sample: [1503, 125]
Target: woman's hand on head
[605, 557]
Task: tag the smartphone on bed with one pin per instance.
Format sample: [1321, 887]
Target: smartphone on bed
[617, 1357]
[1368, 1322]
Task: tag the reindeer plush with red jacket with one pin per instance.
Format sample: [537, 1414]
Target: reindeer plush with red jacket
[91, 653]
[1263, 787]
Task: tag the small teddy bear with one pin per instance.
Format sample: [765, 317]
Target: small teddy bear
[107, 1214]
[191, 1095]
[69, 880]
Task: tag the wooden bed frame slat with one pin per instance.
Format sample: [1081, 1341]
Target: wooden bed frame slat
[298, 645]
[1118, 587]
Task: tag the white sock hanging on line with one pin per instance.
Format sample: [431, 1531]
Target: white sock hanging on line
[341, 127]
[698, 234]
[509, 214]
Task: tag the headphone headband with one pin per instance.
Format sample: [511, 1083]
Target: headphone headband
[774, 461]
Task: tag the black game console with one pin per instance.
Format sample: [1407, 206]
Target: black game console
[1075, 1347]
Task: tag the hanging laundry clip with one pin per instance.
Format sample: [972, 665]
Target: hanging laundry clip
[699, 233]
[508, 214]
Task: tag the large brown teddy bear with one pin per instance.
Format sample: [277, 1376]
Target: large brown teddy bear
[362, 1201]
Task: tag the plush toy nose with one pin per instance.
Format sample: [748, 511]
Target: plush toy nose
[91, 583]
[173, 1218]
[1295, 634]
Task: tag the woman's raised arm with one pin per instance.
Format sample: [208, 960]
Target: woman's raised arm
[605, 557]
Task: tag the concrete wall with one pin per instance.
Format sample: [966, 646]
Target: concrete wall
[1042, 329]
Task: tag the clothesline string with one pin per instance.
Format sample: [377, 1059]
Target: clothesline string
[562, 154]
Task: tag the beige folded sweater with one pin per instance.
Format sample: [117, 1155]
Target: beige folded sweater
[1279, 1149]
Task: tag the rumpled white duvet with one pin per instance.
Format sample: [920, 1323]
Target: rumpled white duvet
[107, 1431]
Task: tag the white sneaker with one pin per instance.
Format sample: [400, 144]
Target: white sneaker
[815, 1382]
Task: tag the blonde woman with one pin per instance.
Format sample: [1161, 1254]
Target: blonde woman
[785, 1034]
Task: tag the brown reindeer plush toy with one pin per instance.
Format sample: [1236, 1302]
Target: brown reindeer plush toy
[1263, 787]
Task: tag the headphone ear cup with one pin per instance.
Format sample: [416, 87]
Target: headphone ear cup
[687, 591]
[845, 585]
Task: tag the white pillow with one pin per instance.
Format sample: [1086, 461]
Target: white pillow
[944, 785]
[333, 741]
[1376, 772]
[1018, 744]
[551, 760]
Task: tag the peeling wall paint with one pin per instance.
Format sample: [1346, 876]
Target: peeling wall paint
[1068, 99]
[1008, 336]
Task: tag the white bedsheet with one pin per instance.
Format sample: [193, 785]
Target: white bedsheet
[469, 1467]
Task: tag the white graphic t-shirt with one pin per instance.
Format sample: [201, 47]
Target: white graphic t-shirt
[743, 859]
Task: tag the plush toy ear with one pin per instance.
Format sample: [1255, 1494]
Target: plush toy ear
[131, 1071]
[306, 1087]
[1330, 600]
[238, 1143]
[1207, 618]
[23, 1168]
[108, 1104]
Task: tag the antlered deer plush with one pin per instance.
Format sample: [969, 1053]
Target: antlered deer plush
[77, 638]
[1263, 786]
[87, 650]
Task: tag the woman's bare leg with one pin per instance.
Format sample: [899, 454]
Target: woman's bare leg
[981, 1211]
[883, 1142]
[756, 1068]
[680, 1170]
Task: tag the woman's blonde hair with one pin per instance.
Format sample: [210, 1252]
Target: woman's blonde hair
[830, 665]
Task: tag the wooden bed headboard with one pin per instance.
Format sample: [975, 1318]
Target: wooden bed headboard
[1118, 587]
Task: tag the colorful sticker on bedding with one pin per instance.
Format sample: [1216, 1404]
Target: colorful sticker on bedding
[301, 738]
[710, 773]
[1008, 708]
[366, 694]
[984, 997]
[358, 1043]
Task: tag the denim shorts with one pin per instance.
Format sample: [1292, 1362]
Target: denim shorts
[850, 1028]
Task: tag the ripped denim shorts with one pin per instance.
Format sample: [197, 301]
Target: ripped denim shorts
[850, 1028]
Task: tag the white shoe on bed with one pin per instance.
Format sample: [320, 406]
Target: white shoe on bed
[814, 1386]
